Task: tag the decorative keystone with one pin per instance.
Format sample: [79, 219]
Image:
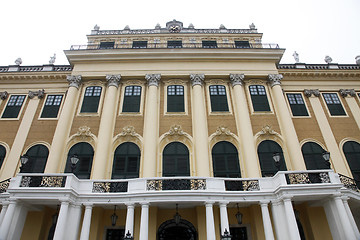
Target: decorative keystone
[346, 92]
[197, 79]
[113, 80]
[310, 92]
[74, 80]
[40, 94]
[275, 79]
[153, 79]
[237, 79]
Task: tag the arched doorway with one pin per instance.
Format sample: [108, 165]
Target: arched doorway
[184, 230]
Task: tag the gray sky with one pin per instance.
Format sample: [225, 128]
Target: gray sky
[35, 30]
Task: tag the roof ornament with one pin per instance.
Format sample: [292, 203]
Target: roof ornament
[18, 61]
[357, 58]
[96, 27]
[252, 26]
[328, 59]
[127, 27]
[157, 26]
[296, 57]
[52, 59]
[191, 26]
[222, 26]
[174, 26]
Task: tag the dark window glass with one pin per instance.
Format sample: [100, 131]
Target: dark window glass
[38, 155]
[334, 104]
[174, 44]
[139, 44]
[312, 153]
[126, 161]
[218, 98]
[352, 153]
[209, 44]
[259, 99]
[85, 153]
[107, 45]
[175, 98]
[297, 104]
[2, 155]
[115, 234]
[13, 106]
[132, 98]
[176, 160]
[225, 160]
[266, 150]
[91, 99]
[242, 44]
[51, 107]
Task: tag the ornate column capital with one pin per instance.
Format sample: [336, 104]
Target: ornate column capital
[40, 94]
[113, 80]
[153, 79]
[237, 79]
[74, 80]
[347, 92]
[197, 79]
[310, 92]
[275, 79]
[4, 95]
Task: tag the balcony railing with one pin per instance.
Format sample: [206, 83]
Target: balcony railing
[349, 183]
[184, 45]
[4, 185]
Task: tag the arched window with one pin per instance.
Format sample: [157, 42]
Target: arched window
[126, 161]
[352, 153]
[312, 153]
[225, 160]
[2, 155]
[176, 160]
[85, 153]
[266, 150]
[38, 155]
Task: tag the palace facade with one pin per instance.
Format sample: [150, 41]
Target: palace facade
[179, 133]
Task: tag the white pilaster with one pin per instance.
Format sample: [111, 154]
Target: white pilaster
[224, 221]
[344, 219]
[3, 211]
[210, 225]
[290, 217]
[144, 222]
[129, 225]
[61, 222]
[85, 229]
[5, 226]
[351, 217]
[350, 98]
[269, 235]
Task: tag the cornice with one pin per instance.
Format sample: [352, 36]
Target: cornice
[320, 74]
[33, 76]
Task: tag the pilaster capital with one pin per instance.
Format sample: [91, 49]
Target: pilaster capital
[237, 79]
[275, 79]
[312, 92]
[74, 80]
[197, 79]
[153, 79]
[40, 94]
[113, 80]
[347, 92]
[130, 205]
[4, 95]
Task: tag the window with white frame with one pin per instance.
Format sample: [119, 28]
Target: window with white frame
[297, 104]
[52, 106]
[13, 106]
[334, 104]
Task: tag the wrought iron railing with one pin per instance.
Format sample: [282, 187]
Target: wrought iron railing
[349, 183]
[242, 185]
[4, 185]
[175, 184]
[43, 181]
[110, 187]
[307, 178]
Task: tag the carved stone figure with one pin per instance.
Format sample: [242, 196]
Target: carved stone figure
[52, 59]
[96, 27]
[357, 58]
[310, 92]
[296, 57]
[18, 61]
[252, 26]
[328, 59]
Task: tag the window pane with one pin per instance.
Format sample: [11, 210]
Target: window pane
[126, 161]
[176, 160]
[266, 150]
[38, 155]
[107, 45]
[132, 99]
[312, 153]
[91, 99]
[297, 104]
[139, 44]
[334, 104]
[209, 44]
[85, 153]
[174, 44]
[259, 98]
[352, 153]
[51, 107]
[218, 98]
[242, 44]
[2, 155]
[175, 98]
[225, 160]
[13, 106]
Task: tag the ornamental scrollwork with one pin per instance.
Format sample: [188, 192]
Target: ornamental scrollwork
[153, 79]
[242, 185]
[308, 178]
[237, 79]
[113, 80]
[128, 131]
[275, 79]
[43, 181]
[175, 130]
[110, 187]
[347, 92]
[309, 92]
[197, 79]
[175, 184]
[40, 94]
[4, 185]
[267, 130]
[84, 133]
[222, 130]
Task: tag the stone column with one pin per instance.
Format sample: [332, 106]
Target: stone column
[10, 166]
[144, 222]
[3, 211]
[73, 222]
[60, 229]
[280, 223]
[286, 124]
[85, 229]
[151, 126]
[63, 126]
[210, 225]
[244, 128]
[344, 219]
[338, 163]
[291, 220]
[106, 129]
[200, 128]
[269, 235]
[350, 98]
[224, 221]
[129, 225]
[351, 217]
[5, 225]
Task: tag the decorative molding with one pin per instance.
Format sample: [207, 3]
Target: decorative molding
[267, 130]
[255, 82]
[153, 79]
[128, 134]
[216, 82]
[83, 134]
[128, 131]
[175, 130]
[347, 92]
[223, 133]
[176, 133]
[197, 79]
[74, 80]
[310, 92]
[275, 79]
[222, 130]
[40, 94]
[237, 79]
[175, 82]
[113, 80]
[4, 95]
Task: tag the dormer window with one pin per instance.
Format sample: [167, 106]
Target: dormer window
[107, 45]
[139, 44]
[209, 44]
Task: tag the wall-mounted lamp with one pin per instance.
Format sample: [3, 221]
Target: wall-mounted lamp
[238, 215]
[23, 160]
[74, 159]
[276, 158]
[114, 217]
[326, 157]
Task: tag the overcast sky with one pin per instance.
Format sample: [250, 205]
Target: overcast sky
[35, 30]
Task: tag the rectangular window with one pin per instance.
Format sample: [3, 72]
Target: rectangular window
[259, 99]
[132, 99]
[209, 44]
[52, 106]
[91, 100]
[334, 105]
[297, 104]
[175, 98]
[242, 44]
[174, 44]
[13, 106]
[107, 45]
[139, 44]
[218, 98]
